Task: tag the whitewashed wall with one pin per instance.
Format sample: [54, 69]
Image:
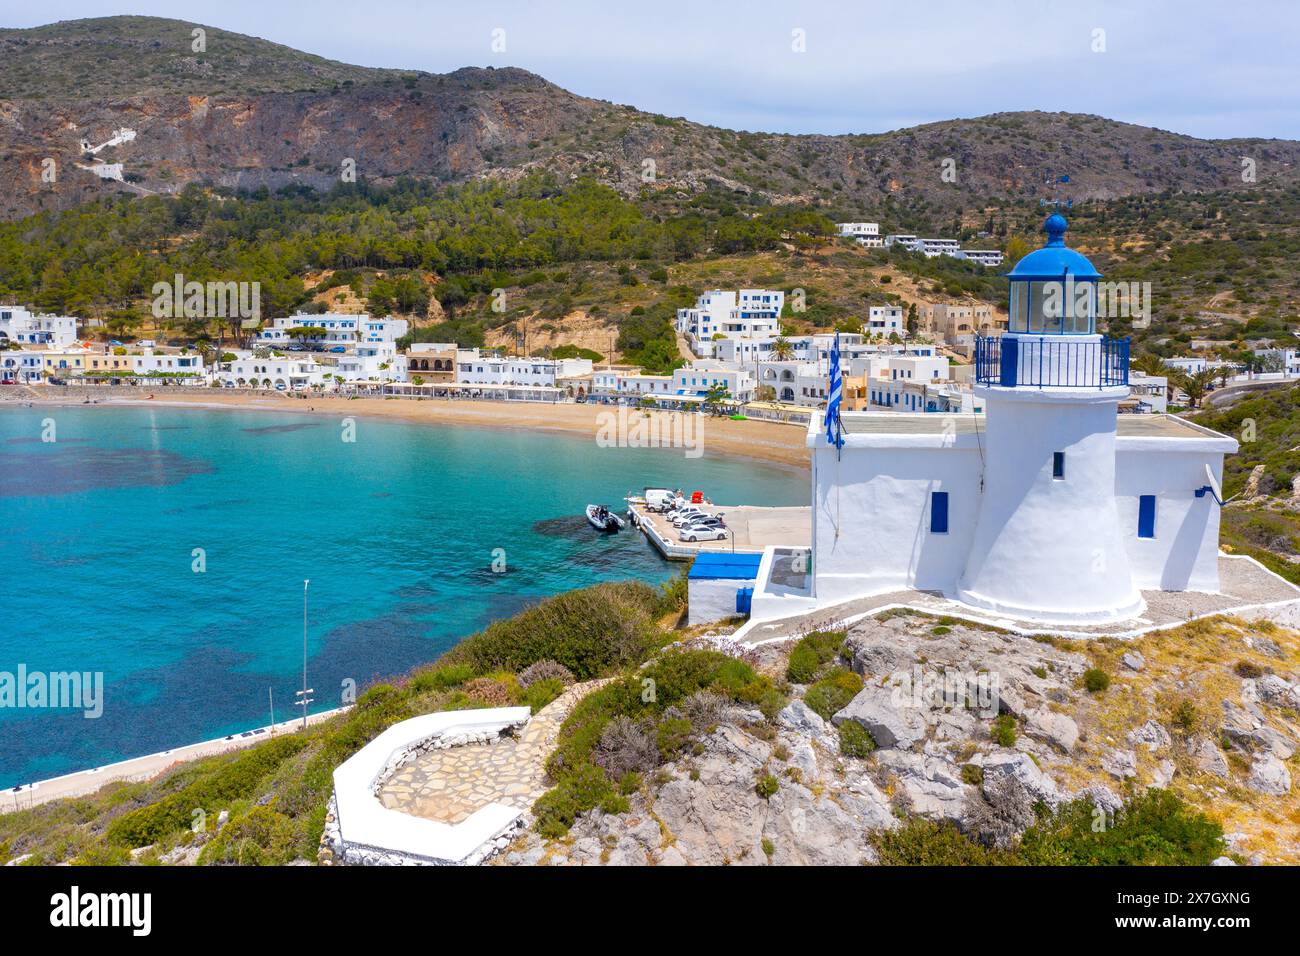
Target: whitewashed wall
[880, 500]
[1184, 553]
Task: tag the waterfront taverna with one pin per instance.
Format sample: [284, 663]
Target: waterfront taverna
[1049, 507]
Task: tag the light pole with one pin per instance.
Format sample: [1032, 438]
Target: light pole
[302, 695]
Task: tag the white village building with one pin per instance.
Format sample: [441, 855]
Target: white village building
[475, 367]
[17, 324]
[749, 313]
[1049, 507]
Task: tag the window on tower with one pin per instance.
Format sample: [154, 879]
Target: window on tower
[1147, 516]
[1058, 464]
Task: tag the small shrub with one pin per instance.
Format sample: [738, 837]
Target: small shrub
[1154, 828]
[1095, 680]
[833, 692]
[103, 854]
[672, 736]
[1185, 716]
[1003, 730]
[769, 848]
[629, 783]
[811, 654]
[545, 670]
[625, 746]
[587, 631]
[972, 774]
[442, 678]
[855, 740]
[491, 691]
[704, 709]
[584, 789]
[1248, 670]
[767, 786]
[998, 815]
[542, 692]
[261, 837]
[922, 842]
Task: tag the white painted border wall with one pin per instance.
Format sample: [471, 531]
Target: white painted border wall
[369, 831]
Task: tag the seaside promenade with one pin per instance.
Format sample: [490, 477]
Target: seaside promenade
[83, 782]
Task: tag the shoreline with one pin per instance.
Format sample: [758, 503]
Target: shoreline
[80, 783]
[772, 443]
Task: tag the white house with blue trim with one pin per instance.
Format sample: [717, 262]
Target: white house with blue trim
[1048, 507]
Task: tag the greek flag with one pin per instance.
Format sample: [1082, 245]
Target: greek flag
[833, 435]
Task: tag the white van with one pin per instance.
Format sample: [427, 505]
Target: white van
[660, 499]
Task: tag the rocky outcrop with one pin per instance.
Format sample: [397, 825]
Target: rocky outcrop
[889, 724]
[1269, 775]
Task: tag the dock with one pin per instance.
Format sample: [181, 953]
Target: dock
[751, 529]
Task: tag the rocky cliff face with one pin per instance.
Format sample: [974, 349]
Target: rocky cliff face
[1209, 710]
[247, 113]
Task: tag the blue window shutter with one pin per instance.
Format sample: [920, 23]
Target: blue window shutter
[1147, 516]
[939, 512]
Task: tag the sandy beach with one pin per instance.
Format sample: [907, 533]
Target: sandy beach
[764, 441]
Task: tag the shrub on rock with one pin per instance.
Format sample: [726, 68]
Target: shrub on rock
[833, 692]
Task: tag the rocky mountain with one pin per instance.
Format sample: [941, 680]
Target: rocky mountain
[79, 98]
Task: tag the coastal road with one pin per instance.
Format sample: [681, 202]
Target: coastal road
[144, 768]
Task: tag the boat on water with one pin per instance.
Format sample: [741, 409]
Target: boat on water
[602, 519]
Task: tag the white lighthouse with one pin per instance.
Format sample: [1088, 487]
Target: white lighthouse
[1047, 542]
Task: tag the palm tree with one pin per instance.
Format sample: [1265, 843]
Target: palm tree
[1195, 385]
[1149, 364]
[782, 350]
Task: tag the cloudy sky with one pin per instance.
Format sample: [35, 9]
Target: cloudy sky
[1202, 67]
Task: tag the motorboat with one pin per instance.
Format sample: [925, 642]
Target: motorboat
[602, 519]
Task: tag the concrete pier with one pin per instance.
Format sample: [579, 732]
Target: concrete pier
[750, 529]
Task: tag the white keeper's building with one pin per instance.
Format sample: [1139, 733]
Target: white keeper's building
[1047, 507]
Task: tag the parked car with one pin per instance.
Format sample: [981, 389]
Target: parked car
[8, 381]
[708, 521]
[339, 349]
[704, 533]
[686, 516]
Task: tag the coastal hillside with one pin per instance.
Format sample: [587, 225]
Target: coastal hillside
[246, 113]
[791, 753]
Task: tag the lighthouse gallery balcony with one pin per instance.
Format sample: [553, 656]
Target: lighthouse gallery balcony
[1051, 361]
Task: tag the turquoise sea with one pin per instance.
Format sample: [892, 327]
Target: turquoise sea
[396, 531]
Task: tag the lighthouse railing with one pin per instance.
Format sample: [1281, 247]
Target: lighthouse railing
[1050, 361]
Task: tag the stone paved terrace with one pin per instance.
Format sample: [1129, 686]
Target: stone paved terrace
[449, 785]
[1245, 584]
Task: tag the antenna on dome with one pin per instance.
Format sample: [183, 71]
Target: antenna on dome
[1056, 201]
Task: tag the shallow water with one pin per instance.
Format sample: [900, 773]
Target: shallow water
[397, 532]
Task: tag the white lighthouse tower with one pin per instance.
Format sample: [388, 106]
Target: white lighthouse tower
[1047, 544]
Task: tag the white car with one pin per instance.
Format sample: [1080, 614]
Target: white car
[687, 517]
[704, 533]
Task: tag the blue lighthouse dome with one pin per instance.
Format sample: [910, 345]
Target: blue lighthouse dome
[1055, 260]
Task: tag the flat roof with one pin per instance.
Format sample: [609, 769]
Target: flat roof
[725, 565]
[965, 423]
